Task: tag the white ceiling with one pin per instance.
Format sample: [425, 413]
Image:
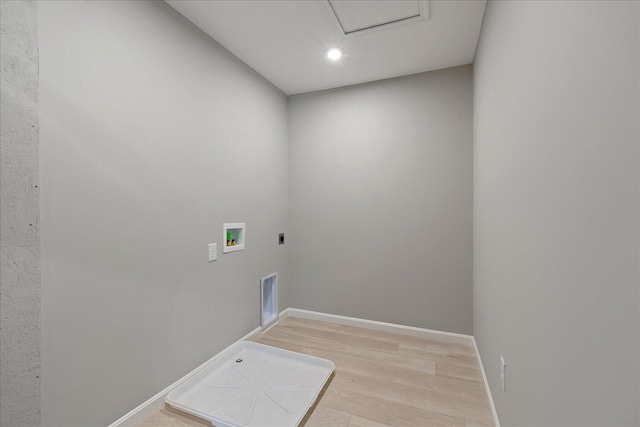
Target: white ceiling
[286, 41]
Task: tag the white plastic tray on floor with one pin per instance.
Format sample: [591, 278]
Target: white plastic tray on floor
[253, 384]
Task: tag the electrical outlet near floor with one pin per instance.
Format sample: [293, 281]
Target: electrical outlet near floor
[503, 373]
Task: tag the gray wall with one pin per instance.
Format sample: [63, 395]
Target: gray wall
[556, 104]
[19, 216]
[381, 198]
[152, 136]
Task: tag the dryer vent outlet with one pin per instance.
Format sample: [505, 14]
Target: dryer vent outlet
[268, 300]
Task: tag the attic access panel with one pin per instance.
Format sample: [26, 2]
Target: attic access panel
[358, 16]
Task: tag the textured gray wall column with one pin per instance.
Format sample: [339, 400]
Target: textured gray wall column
[19, 213]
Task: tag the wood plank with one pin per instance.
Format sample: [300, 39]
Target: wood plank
[460, 372]
[363, 422]
[449, 375]
[300, 321]
[455, 358]
[280, 344]
[188, 419]
[396, 375]
[384, 411]
[340, 337]
[438, 347]
[402, 361]
[474, 424]
[160, 419]
[360, 364]
[460, 407]
[381, 371]
[327, 417]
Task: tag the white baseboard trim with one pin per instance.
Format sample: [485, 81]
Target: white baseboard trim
[496, 422]
[151, 406]
[449, 337]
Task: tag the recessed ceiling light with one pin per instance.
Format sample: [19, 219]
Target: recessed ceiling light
[334, 53]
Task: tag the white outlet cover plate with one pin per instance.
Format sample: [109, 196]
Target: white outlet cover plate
[503, 373]
[213, 251]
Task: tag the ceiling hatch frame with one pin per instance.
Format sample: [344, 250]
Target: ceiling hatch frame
[423, 16]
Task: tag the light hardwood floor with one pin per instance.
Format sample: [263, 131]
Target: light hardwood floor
[381, 379]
